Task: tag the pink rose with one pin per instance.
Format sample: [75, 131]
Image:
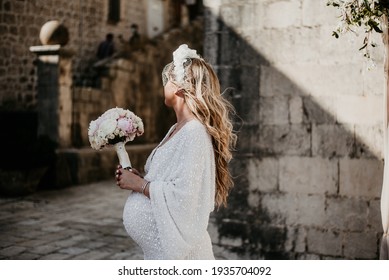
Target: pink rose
[125, 125]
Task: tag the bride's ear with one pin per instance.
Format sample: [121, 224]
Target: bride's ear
[180, 93]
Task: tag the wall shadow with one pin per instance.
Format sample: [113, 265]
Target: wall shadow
[260, 231]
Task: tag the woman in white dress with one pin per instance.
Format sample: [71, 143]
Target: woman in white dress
[186, 175]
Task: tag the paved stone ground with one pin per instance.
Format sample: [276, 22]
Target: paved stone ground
[80, 222]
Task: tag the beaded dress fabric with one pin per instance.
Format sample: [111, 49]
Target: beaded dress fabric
[173, 223]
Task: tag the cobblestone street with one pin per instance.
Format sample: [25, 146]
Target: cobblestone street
[81, 222]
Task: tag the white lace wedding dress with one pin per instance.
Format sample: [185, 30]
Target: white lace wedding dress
[173, 223]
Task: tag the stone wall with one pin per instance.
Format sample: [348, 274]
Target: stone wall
[20, 23]
[308, 166]
[63, 107]
[20, 26]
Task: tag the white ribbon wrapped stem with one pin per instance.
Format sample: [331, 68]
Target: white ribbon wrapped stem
[124, 160]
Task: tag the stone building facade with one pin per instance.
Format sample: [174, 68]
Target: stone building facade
[50, 88]
[88, 22]
[308, 166]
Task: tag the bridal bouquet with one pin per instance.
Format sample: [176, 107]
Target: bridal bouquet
[115, 127]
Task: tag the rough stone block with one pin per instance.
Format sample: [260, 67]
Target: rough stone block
[210, 19]
[296, 113]
[360, 245]
[324, 242]
[369, 141]
[275, 83]
[274, 110]
[247, 54]
[285, 139]
[273, 238]
[300, 244]
[308, 175]
[252, 15]
[247, 138]
[210, 47]
[296, 239]
[374, 77]
[85, 95]
[90, 107]
[317, 13]
[319, 109]
[346, 214]
[307, 211]
[231, 15]
[374, 216]
[249, 77]
[275, 207]
[360, 177]
[11, 19]
[295, 209]
[337, 51]
[253, 199]
[77, 93]
[332, 141]
[281, 48]
[95, 95]
[282, 14]
[262, 42]
[305, 49]
[359, 109]
[319, 80]
[212, 4]
[263, 174]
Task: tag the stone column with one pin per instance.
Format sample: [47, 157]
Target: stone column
[54, 88]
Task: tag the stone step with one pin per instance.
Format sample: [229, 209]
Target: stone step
[85, 165]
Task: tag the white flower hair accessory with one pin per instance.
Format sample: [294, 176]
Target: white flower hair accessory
[180, 56]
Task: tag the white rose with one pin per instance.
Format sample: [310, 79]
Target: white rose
[107, 127]
[111, 114]
[92, 128]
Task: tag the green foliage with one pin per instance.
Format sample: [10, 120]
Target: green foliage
[366, 14]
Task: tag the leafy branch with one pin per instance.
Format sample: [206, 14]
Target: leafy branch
[355, 14]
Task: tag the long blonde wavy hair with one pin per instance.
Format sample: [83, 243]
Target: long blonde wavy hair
[203, 97]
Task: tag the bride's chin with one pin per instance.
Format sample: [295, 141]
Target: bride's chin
[167, 103]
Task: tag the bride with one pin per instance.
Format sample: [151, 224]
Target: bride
[186, 175]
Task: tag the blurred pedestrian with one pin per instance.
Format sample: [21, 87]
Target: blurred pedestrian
[106, 48]
[135, 39]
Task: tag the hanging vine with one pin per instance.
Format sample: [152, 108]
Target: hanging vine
[366, 14]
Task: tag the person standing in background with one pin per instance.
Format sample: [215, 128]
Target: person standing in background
[106, 48]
